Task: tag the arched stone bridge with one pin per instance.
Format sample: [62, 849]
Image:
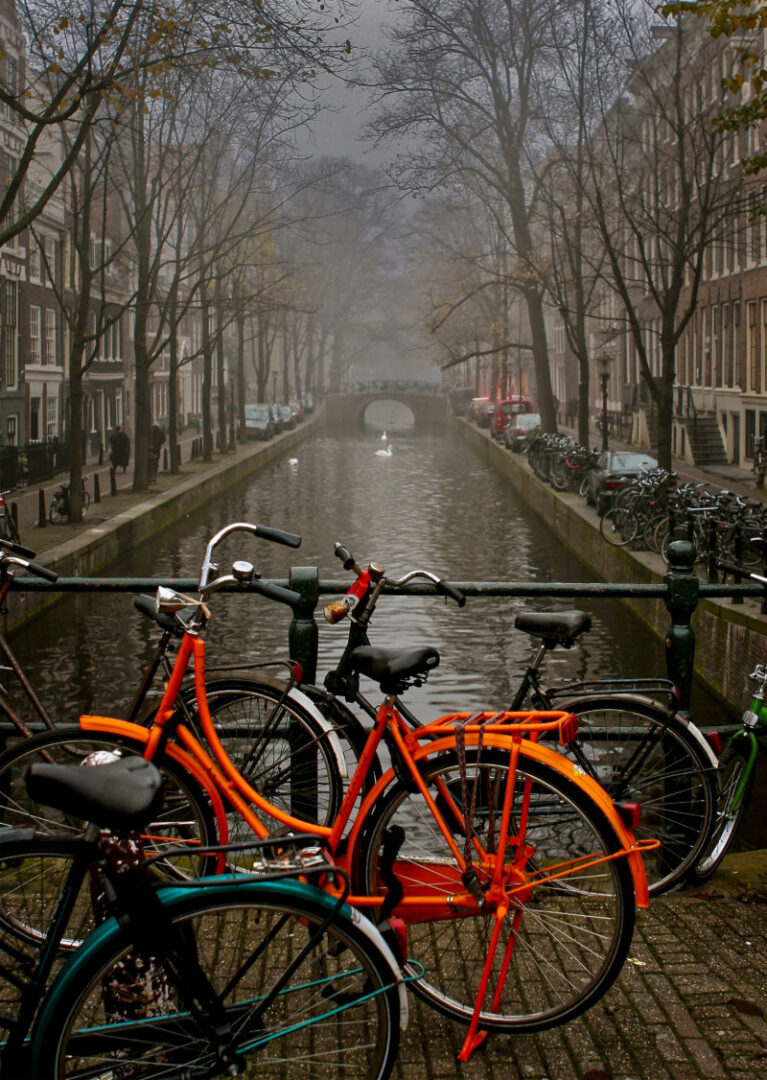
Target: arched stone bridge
[427, 403]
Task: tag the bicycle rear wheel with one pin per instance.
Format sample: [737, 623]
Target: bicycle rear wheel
[733, 766]
[565, 939]
[186, 818]
[301, 993]
[641, 753]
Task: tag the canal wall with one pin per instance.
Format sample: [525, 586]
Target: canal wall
[104, 543]
[730, 640]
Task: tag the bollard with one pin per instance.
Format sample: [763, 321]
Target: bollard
[96, 488]
[15, 516]
[42, 519]
[113, 481]
[710, 533]
[165, 460]
[303, 635]
[737, 547]
[303, 638]
[683, 586]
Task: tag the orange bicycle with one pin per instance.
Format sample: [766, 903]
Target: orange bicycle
[509, 877]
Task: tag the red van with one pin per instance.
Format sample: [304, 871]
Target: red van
[505, 409]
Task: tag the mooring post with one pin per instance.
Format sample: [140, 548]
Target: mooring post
[682, 599]
[303, 635]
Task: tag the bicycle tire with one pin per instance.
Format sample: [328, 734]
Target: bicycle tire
[287, 756]
[618, 526]
[732, 766]
[85, 502]
[556, 921]
[185, 819]
[58, 513]
[337, 1014]
[10, 528]
[642, 753]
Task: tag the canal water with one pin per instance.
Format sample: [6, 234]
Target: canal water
[430, 503]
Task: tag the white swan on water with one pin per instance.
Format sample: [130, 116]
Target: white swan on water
[384, 436]
[292, 461]
[384, 453]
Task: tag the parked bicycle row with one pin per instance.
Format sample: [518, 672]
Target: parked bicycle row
[490, 861]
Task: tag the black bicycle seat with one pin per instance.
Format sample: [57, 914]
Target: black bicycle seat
[122, 795]
[394, 669]
[555, 627]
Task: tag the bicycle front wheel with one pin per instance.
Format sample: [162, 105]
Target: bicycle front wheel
[304, 989]
[618, 526]
[643, 754]
[567, 931]
[732, 771]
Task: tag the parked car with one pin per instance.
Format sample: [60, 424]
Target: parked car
[308, 403]
[298, 409]
[460, 398]
[504, 410]
[615, 469]
[288, 418]
[277, 417]
[519, 430]
[485, 414]
[477, 404]
[259, 423]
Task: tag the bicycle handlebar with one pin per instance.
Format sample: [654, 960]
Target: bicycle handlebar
[276, 536]
[16, 555]
[16, 549]
[741, 571]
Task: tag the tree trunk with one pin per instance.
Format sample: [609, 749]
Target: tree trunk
[207, 382]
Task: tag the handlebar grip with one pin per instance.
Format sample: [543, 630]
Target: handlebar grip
[17, 549]
[278, 536]
[276, 592]
[344, 555]
[451, 591]
[42, 571]
[741, 571]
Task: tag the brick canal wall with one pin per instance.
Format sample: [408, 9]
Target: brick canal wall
[729, 639]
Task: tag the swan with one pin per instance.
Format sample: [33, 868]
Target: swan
[292, 461]
[384, 436]
[384, 453]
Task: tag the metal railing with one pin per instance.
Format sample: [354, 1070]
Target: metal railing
[680, 590]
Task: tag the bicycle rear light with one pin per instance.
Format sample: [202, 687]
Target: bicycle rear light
[629, 813]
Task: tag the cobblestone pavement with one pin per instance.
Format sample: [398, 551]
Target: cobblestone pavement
[689, 1003]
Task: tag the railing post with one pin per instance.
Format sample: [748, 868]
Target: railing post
[683, 586]
[303, 635]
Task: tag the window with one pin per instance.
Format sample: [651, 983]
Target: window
[116, 351]
[12, 430]
[50, 336]
[11, 357]
[34, 260]
[34, 419]
[753, 349]
[34, 334]
[736, 374]
[51, 418]
[49, 247]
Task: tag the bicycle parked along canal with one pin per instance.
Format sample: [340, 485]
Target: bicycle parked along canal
[737, 762]
[232, 976]
[494, 850]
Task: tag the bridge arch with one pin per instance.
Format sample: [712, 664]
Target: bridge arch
[349, 408]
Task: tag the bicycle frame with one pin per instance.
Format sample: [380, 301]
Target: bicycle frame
[502, 730]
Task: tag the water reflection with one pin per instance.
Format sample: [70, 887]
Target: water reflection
[432, 504]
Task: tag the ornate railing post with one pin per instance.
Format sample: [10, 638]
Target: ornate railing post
[683, 586]
[303, 634]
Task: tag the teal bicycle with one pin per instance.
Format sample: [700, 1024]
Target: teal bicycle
[737, 763]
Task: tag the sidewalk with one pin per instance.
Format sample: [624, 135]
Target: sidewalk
[689, 1004]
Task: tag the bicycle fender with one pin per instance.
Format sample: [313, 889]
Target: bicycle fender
[140, 734]
[548, 757]
[181, 898]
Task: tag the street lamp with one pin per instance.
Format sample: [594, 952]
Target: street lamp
[604, 365]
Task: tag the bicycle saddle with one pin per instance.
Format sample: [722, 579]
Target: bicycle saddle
[555, 627]
[394, 669]
[147, 605]
[122, 795]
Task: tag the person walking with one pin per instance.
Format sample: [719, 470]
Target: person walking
[119, 449]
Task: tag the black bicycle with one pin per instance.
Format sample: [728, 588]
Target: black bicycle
[213, 979]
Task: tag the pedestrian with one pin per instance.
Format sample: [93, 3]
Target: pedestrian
[119, 449]
[156, 440]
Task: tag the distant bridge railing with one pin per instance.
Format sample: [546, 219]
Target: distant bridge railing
[680, 591]
[389, 386]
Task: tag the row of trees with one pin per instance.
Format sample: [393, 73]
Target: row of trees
[568, 155]
[166, 131]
